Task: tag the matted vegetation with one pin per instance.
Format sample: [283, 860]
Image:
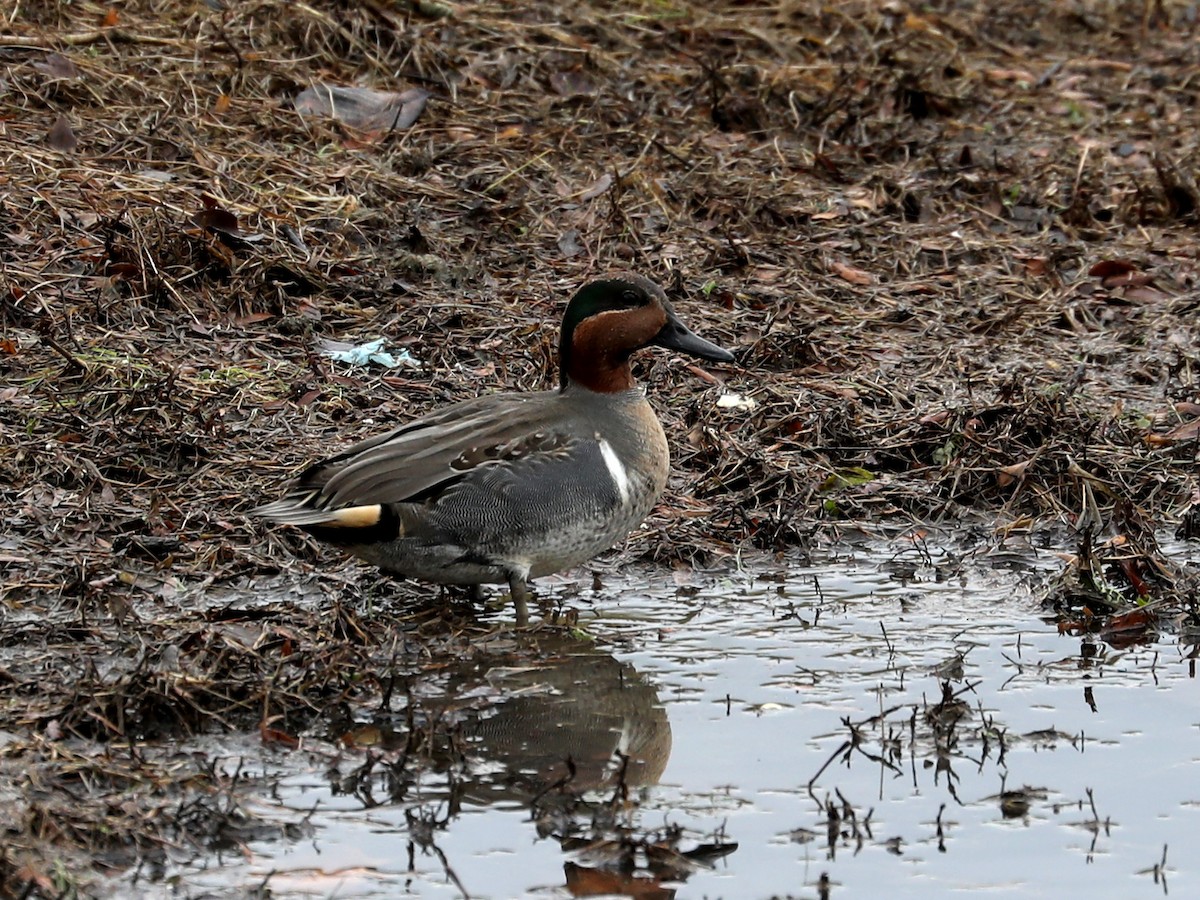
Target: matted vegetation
[954, 246]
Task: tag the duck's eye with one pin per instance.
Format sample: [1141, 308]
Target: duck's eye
[630, 298]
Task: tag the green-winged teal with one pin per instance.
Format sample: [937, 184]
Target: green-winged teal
[508, 487]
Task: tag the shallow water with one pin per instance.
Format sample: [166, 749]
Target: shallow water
[731, 695]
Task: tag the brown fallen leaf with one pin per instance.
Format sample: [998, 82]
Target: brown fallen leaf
[1127, 279]
[61, 137]
[271, 735]
[583, 881]
[217, 219]
[851, 274]
[1132, 568]
[1124, 629]
[1006, 475]
[57, 66]
[1144, 294]
[1188, 431]
[1034, 265]
[1110, 267]
[253, 318]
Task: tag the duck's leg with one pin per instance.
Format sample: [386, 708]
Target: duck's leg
[520, 595]
[475, 593]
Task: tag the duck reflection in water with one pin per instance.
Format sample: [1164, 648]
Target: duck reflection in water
[559, 725]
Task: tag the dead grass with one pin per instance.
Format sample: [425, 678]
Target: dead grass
[954, 248]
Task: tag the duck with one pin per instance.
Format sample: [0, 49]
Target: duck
[509, 487]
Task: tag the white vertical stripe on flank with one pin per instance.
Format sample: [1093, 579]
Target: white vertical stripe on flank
[616, 469]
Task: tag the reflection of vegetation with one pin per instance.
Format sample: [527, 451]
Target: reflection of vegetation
[935, 738]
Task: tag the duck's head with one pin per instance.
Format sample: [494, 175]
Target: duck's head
[608, 320]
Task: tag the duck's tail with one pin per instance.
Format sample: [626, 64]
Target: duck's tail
[301, 508]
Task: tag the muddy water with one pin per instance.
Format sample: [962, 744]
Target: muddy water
[870, 727]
